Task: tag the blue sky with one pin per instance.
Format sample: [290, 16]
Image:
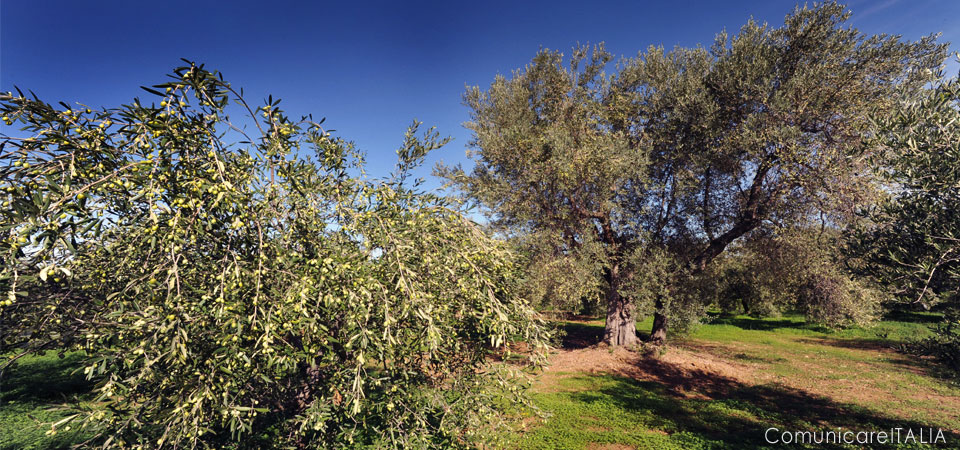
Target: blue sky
[368, 67]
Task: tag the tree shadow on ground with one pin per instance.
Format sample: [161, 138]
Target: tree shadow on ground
[759, 324]
[703, 409]
[730, 413]
[48, 378]
[896, 354]
[580, 335]
[31, 393]
[914, 316]
[725, 351]
[875, 344]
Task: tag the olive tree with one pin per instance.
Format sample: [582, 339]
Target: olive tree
[681, 153]
[551, 168]
[911, 243]
[794, 269]
[243, 284]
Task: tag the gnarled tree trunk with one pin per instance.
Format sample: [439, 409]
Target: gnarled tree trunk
[621, 327]
[658, 333]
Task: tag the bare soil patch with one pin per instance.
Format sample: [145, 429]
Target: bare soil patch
[686, 372]
[597, 446]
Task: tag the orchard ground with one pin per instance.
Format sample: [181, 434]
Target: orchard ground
[720, 387]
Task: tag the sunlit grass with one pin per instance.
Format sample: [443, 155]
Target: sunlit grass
[595, 411]
[812, 374]
[30, 396]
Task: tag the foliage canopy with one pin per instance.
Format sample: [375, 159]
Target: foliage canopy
[675, 155]
[911, 242]
[256, 293]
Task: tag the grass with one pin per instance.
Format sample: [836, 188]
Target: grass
[606, 410]
[592, 411]
[30, 394]
[780, 372]
[787, 374]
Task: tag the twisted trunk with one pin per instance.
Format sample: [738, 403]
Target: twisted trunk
[621, 326]
[658, 333]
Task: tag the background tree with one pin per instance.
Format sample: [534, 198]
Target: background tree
[771, 138]
[796, 269]
[683, 152]
[246, 294]
[912, 241]
[553, 169]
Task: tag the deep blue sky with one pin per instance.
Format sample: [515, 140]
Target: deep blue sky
[368, 67]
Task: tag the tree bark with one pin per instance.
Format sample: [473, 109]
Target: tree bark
[621, 326]
[658, 333]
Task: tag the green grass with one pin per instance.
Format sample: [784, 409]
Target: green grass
[589, 411]
[812, 378]
[606, 409]
[30, 396]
